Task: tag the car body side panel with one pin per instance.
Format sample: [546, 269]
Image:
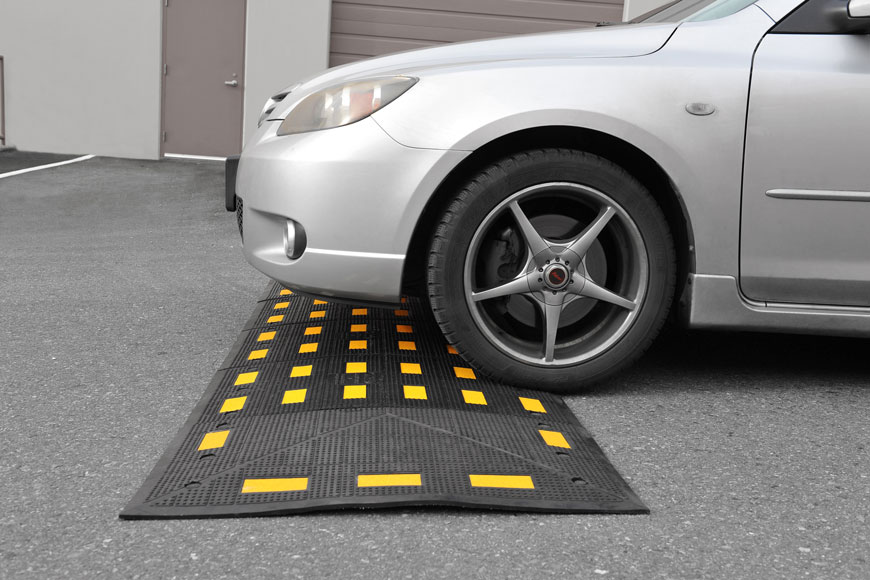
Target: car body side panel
[641, 100]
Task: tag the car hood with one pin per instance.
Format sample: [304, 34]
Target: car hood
[603, 42]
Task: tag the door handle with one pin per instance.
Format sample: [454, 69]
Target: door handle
[232, 83]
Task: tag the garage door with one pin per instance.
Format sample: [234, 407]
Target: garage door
[364, 28]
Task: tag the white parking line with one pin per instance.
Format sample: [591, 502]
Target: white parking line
[48, 166]
[201, 157]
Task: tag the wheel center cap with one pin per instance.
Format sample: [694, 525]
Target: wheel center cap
[556, 276]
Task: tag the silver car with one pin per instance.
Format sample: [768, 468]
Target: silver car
[556, 195]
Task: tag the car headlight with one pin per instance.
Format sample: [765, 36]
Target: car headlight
[273, 102]
[344, 104]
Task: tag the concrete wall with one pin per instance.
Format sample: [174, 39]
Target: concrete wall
[634, 8]
[83, 77]
[287, 40]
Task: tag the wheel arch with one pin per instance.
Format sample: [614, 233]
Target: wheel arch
[635, 161]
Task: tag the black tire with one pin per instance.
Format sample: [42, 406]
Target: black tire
[475, 245]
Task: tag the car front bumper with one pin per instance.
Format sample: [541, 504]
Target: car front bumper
[357, 194]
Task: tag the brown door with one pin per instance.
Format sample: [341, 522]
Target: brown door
[203, 83]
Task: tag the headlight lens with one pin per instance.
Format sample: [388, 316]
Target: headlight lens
[343, 104]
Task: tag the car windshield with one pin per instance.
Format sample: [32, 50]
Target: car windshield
[694, 10]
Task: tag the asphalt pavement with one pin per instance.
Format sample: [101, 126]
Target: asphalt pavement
[122, 287]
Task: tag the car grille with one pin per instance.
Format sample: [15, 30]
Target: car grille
[240, 217]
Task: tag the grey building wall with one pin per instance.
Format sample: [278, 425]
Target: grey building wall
[364, 28]
[287, 40]
[82, 77]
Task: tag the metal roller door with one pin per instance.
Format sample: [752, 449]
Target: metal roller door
[365, 28]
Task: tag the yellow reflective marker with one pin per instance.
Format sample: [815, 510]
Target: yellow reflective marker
[415, 392]
[354, 391]
[358, 327]
[214, 440]
[285, 292]
[313, 330]
[281, 305]
[319, 302]
[532, 405]
[234, 404]
[275, 485]
[358, 345]
[246, 378]
[301, 371]
[317, 314]
[355, 367]
[404, 329]
[464, 373]
[264, 336]
[277, 318]
[308, 347]
[359, 311]
[502, 481]
[389, 479]
[473, 397]
[554, 439]
[451, 349]
[401, 312]
[404, 300]
[294, 396]
[411, 369]
[258, 354]
[407, 345]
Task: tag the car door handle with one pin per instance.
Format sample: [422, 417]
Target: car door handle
[232, 83]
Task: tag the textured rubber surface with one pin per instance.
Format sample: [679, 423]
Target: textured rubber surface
[381, 412]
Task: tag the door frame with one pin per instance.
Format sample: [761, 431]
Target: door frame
[162, 130]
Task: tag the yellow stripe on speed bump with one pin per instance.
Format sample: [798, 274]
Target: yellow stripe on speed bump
[355, 367]
[258, 354]
[264, 336]
[464, 373]
[294, 396]
[358, 327]
[354, 391]
[213, 440]
[308, 347]
[285, 292]
[532, 405]
[275, 485]
[502, 481]
[554, 439]
[407, 345]
[281, 305]
[358, 345]
[301, 371]
[234, 404]
[389, 479]
[319, 302]
[411, 369]
[415, 392]
[404, 328]
[311, 330]
[473, 397]
[277, 318]
[246, 378]
[359, 312]
[451, 349]
[402, 313]
[317, 314]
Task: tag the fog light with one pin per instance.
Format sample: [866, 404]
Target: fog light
[294, 239]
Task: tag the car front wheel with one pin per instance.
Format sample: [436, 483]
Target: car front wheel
[552, 269]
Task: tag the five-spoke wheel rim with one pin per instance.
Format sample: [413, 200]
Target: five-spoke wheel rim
[556, 274]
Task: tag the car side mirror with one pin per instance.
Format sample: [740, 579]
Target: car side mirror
[859, 8]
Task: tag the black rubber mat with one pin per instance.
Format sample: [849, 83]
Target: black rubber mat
[326, 406]
[15, 160]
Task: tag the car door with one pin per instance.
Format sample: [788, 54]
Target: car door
[805, 227]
